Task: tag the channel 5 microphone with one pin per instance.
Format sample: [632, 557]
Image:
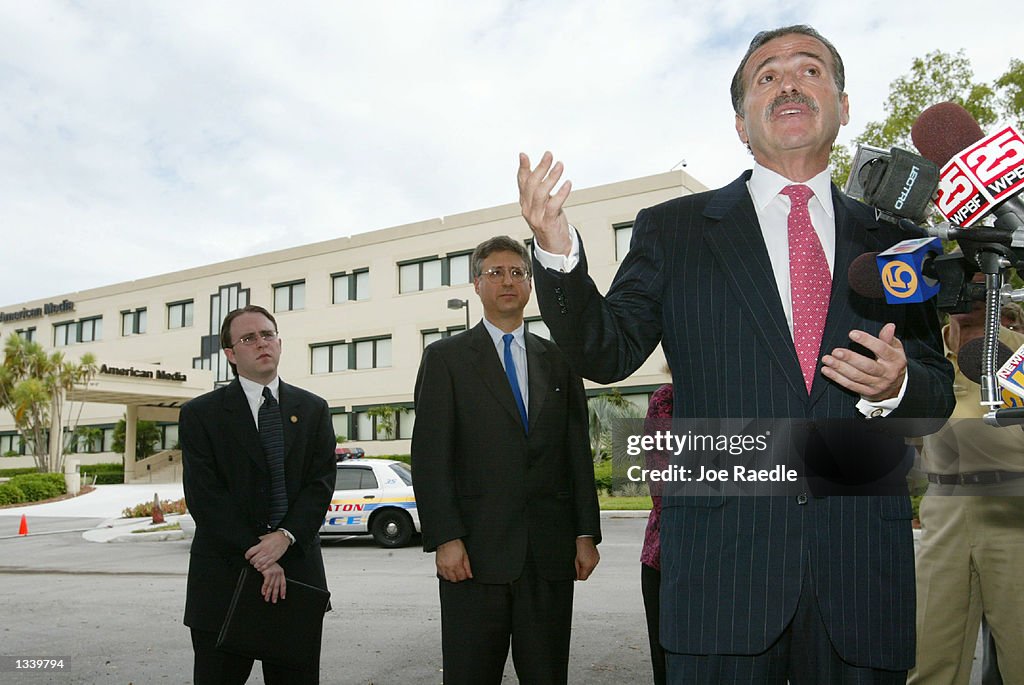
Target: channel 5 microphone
[978, 174]
[905, 271]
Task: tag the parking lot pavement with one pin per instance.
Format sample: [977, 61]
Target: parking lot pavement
[113, 611]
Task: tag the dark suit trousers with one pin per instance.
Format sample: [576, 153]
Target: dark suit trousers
[803, 655]
[478, 620]
[215, 667]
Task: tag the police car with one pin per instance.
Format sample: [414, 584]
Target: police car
[373, 497]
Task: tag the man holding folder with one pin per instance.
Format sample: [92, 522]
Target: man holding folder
[259, 471]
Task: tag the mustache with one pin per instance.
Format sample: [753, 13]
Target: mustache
[796, 99]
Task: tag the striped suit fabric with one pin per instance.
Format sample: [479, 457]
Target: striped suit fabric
[698, 280]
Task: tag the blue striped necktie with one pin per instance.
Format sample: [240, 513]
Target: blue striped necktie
[513, 379]
[272, 437]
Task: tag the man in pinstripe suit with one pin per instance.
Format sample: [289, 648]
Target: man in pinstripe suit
[764, 589]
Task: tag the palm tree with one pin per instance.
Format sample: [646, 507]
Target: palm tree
[34, 387]
[602, 411]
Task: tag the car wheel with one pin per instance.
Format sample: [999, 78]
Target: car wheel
[392, 528]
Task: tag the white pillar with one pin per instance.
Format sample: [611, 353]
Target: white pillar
[131, 418]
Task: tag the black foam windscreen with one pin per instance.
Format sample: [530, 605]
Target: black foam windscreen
[969, 358]
[902, 185]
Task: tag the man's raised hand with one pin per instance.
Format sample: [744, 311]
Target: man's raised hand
[542, 210]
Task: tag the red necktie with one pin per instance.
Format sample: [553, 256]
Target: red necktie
[810, 282]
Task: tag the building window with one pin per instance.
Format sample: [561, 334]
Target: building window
[339, 421]
[372, 354]
[133, 323]
[366, 425]
[169, 440]
[28, 334]
[623, 234]
[10, 444]
[71, 332]
[421, 275]
[406, 420]
[64, 334]
[90, 329]
[351, 287]
[433, 272]
[433, 335]
[289, 296]
[211, 357]
[458, 269]
[538, 328]
[108, 440]
[329, 357]
[179, 314]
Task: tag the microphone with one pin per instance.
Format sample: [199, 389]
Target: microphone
[979, 175]
[898, 183]
[906, 270]
[864, 278]
[969, 358]
[1011, 372]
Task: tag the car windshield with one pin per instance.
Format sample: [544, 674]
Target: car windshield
[403, 472]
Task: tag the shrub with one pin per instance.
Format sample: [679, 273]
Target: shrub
[146, 508]
[110, 478]
[11, 494]
[39, 486]
[109, 473]
[11, 473]
[603, 476]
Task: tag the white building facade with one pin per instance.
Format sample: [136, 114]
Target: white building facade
[354, 315]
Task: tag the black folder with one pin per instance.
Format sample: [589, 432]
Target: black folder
[286, 633]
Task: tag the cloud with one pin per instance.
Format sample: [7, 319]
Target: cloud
[141, 138]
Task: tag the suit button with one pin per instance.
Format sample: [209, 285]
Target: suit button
[801, 498]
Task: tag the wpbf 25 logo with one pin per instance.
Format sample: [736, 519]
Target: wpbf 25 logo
[901, 269]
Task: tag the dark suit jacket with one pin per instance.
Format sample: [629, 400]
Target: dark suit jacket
[479, 477]
[226, 482]
[698, 279]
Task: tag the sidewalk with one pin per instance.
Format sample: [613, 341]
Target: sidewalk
[105, 501]
[108, 502]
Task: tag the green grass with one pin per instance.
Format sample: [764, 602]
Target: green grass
[628, 503]
[158, 529]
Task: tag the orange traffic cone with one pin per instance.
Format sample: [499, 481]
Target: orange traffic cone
[23, 528]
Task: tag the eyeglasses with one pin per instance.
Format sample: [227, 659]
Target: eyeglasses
[253, 338]
[496, 274]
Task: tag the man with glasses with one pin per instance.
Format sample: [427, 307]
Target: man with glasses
[259, 472]
[504, 484]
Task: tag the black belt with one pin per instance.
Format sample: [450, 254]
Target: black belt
[974, 477]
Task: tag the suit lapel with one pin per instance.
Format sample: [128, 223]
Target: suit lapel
[852, 239]
[484, 358]
[738, 245]
[539, 372]
[292, 420]
[239, 418]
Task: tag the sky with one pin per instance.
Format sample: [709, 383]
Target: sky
[139, 138]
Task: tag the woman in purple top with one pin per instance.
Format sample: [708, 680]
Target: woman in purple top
[659, 416]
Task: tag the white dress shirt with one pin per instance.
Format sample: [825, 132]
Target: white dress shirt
[772, 210]
[518, 348]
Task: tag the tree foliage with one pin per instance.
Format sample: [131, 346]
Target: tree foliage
[147, 437]
[603, 410]
[386, 415]
[34, 389]
[937, 77]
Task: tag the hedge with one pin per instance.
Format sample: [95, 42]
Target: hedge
[109, 473]
[38, 486]
[32, 487]
[11, 494]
